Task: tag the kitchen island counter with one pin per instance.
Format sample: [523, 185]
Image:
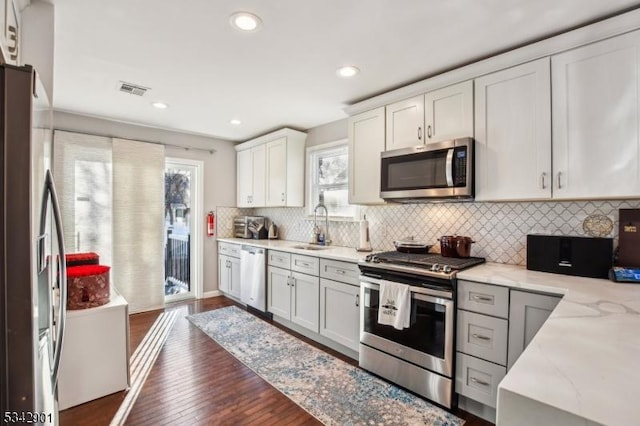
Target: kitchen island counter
[581, 367]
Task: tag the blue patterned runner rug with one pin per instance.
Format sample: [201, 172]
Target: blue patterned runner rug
[334, 392]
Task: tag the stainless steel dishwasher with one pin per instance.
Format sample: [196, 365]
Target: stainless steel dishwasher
[253, 286]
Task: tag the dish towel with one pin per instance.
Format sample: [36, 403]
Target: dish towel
[395, 305]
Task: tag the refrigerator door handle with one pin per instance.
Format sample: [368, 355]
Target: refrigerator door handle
[50, 191]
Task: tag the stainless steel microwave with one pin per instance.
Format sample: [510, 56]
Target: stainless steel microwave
[442, 170]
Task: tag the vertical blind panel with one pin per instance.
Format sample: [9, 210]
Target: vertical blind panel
[138, 206]
[82, 170]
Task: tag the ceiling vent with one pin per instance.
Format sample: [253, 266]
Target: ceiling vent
[133, 89]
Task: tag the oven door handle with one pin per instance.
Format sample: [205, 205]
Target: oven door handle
[374, 284]
[449, 168]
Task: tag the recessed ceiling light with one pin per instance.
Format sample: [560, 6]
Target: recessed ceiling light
[245, 21]
[159, 105]
[235, 122]
[348, 71]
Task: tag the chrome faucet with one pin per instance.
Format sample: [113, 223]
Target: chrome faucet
[327, 241]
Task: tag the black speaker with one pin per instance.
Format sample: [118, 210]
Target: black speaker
[579, 256]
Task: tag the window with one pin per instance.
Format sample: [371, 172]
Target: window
[328, 170]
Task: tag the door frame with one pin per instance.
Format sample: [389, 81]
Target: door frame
[197, 227]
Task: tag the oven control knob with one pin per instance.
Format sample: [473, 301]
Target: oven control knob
[435, 267]
[446, 269]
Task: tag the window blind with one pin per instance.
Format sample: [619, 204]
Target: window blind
[138, 213]
[82, 171]
[111, 193]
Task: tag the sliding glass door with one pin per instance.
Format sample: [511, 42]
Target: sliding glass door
[182, 220]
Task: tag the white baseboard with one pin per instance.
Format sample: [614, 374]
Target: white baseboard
[213, 293]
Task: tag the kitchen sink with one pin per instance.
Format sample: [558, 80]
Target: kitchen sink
[310, 247]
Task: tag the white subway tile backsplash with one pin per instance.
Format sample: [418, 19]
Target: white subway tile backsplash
[499, 229]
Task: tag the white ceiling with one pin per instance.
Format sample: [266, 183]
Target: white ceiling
[284, 74]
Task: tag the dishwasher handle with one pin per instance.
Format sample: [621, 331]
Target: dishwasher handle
[252, 250]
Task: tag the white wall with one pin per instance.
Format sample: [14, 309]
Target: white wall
[328, 132]
[219, 168]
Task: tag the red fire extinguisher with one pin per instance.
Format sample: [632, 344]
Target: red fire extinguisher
[211, 223]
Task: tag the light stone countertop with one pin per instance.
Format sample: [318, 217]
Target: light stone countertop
[345, 254]
[581, 368]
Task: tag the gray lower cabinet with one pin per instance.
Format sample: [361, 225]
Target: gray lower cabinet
[279, 292]
[494, 326]
[478, 379]
[305, 300]
[483, 336]
[294, 296]
[527, 313]
[340, 312]
[229, 269]
[481, 345]
[320, 295]
[229, 275]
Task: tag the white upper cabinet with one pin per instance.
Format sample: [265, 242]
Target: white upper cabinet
[277, 172]
[244, 179]
[258, 166]
[449, 113]
[270, 170]
[405, 123]
[513, 133]
[251, 177]
[596, 119]
[366, 142]
[439, 115]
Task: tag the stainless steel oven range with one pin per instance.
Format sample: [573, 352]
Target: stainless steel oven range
[420, 357]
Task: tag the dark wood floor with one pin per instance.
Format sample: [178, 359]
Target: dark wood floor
[195, 381]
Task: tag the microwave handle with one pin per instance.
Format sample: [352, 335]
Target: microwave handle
[449, 167]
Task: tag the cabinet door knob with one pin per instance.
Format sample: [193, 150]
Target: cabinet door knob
[429, 131]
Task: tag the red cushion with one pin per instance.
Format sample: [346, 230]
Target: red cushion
[86, 270]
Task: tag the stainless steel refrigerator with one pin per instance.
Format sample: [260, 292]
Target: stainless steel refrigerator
[32, 262]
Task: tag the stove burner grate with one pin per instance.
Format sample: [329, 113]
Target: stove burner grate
[424, 260]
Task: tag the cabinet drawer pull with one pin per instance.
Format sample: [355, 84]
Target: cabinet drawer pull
[480, 382]
[542, 180]
[340, 271]
[429, 131]
[482, 298]
[305, 264]
[357, 300]
[481, 337]
[559, 180]
[419, 132]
